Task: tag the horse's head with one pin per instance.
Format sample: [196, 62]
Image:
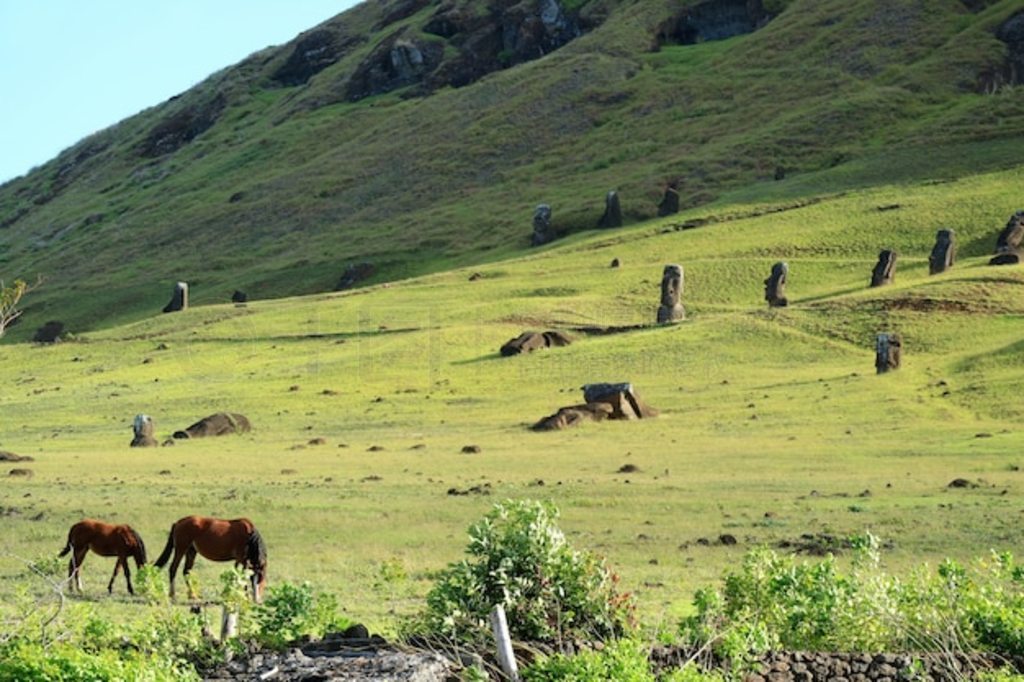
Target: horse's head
[256, 557]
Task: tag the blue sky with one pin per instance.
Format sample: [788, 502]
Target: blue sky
[71, 67]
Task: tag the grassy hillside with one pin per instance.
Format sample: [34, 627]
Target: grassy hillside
[281, 184]
[774, 424]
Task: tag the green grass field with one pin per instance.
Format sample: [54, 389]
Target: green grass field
[773, 423]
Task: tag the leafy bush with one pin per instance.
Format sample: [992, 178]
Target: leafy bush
[522, 561]
[32, 662]
[775, 602]
[290, 612]
[625, 660]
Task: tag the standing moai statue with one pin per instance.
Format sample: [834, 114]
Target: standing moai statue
[670, 202]
[612, 211]
[887, 352]
[775, 286]
[542, 233]
[943, 253]
[179, 299]
[1008, 246]
[143, 428]
[885, 270]
[671, 310]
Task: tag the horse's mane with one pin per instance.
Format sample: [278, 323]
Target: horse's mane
[256, 550]
[140, 543]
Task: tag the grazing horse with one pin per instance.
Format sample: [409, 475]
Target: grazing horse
[104, 539]
[218, 540]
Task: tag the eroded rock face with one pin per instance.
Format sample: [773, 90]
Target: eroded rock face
[313, 53]
[712, 20]
[885, 269]
[396, 62]
[180, 128]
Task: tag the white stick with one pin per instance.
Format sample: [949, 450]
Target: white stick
[501, 637]
[228, 624]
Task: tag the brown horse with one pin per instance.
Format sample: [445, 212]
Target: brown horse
[218, 540]
[104, 539]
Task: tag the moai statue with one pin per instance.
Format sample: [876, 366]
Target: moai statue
[612, 211]
[542, 233]
[887, 352]
[239, 296]
[670, 202]
[1008, 246]
[143, 428]
[179, 299]
[885, 270]
[943, 253]
[775, 286]
[671, 309]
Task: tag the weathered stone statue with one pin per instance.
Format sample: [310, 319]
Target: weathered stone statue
[239, 296]
[670, 202]
[943, 253]
[671, 310]
[542, 233]
[179, 299]
[775, 286]
[885, 270]
[887, 352]
[1008, 246]
[612, 211]
[143, 428]
[49, 332]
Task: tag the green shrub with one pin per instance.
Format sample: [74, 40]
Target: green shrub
[32, 662]
[522, 561]
[290, 612]
[625, 660]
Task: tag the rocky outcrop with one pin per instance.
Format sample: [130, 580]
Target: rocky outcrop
[313, 52]
[712, 20]
[180, 128]
[399, 60]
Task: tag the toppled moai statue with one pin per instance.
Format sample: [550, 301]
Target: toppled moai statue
[943, 253]
[542, 232]
[220, 424]
[143, 428]
[179, 299]
[775, 286]
[885, 270]
[528, 342]
[612, 211]
[1008, 246]
[602, 401]
[671, 310]
[887, 352]
[670, 202]
[49, 332]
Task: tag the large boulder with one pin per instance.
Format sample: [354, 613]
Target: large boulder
[220, 424]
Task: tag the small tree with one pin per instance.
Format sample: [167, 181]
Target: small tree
[10, 297]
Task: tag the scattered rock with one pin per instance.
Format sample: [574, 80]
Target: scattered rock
[374, 448]
[615, 263]
[49, 332]
[317, 441]
[475, 276]
[484, 489]
[727, 539]
[628, 469]
[219, 424]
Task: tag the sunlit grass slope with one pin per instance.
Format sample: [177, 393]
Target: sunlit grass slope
[773, 423]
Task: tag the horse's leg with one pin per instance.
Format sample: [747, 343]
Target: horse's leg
[174, 568]
[127, 574]
[78, 556]
[110, 585]
[190, 560]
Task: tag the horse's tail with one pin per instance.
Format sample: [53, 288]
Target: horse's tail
[67, 545]
[141, 545]
[166, 554]
[256, 550]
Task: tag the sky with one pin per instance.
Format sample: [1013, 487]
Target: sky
[69, 68]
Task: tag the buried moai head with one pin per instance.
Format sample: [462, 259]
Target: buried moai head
[143, 429]
[775, 286]
[885, 269]
[671, 310]
[179, 299]
[1008, 245]
[542, 233]
[887, 352]
[612, 211]
[943, 253]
